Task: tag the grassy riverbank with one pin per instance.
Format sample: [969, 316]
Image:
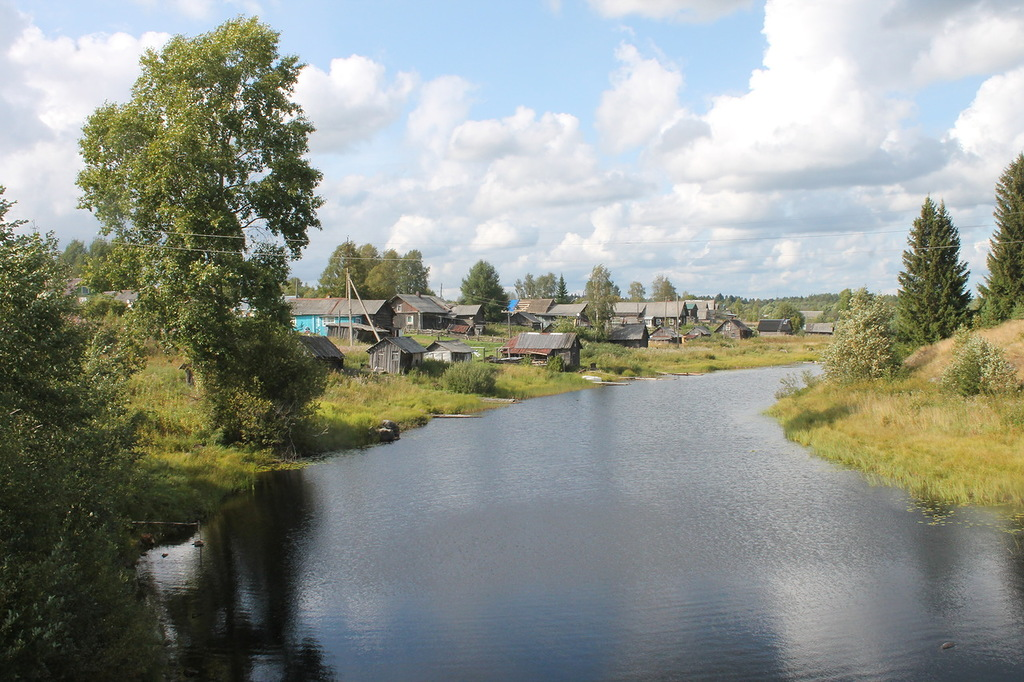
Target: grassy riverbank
[184, 475]
[908, 432]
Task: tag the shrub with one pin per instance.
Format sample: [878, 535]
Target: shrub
[470, 377]
[556, 364]
[978, 367]
[862, 347]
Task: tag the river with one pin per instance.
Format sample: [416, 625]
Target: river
[659, 530]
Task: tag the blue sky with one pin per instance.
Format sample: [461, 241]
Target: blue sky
[754, 148]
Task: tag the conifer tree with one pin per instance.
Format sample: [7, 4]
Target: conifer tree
[562, 292]
[1003, 290]
[933, 298]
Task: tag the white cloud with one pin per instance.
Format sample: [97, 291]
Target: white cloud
[643, 100]
[687, 10]
[350, 102]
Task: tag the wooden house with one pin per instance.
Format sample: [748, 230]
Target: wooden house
[395, 355]
[576, 312]
[665, 335]
[524, 319]
[449, 351]
[781, 327]
[665, 313]
[697, 332]
[535, 306]
[321, 348]
[545, 346]
[628, 312]
[333, 316]
[416, 311]
[468, 320]
[630, 336]
[734, 329]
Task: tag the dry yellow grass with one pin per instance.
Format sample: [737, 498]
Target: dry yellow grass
[912, 434]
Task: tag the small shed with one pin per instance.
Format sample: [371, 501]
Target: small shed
[734, 329]
[781, 327]
[395, 355]
[664, 335]
[697, 332]
[449, 351]
[321, 348]
[545, 346]
[630, 336]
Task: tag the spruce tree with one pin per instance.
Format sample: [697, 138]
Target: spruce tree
[933, 298]
[1003, 290]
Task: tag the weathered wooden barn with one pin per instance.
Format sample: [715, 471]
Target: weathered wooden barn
[395, 354]
[545, 346]
[417, 311]
[449, 351]
[321, 348]
[700, 331]
[826, 328]
[630, 336]
[734, 329]
[665, 335]
[781, 327]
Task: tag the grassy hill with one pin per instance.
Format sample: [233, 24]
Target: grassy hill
[909, 432]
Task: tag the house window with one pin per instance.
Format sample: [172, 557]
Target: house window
[410, 320]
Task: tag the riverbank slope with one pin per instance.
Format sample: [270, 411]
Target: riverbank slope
[909, 432]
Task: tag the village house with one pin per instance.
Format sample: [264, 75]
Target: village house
[469, 320]
[395, 355]
[665, 314]
[665, 335]
[321, 348]
[700, 331]
[775, 327]
[545, 346]
[449, 351]
[630, 336]
[628, 312]
[420, 312]
[827, 328]
[734, 329]
[524, 319]
[576, 312]
[334, 317]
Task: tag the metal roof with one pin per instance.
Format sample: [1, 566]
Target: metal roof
[539, 341]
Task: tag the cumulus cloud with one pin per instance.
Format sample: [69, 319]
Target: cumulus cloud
[351, 101]
[643, 100]
[684, 10]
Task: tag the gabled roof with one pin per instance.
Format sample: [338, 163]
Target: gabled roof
[537, 306]
[466, 310]
[402, 342]
[453, 346]
[662, 333]
[424, 304]
[782, 325]
[334, 305]
[735, 323]
[321, 348]
[820, 328]
[629, 308]
[666, 309]
[536, 341]
[313, 306]
[699, 330]
[629, 332]
[566, 310]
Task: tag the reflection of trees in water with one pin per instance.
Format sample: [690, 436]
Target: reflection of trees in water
[240, 619]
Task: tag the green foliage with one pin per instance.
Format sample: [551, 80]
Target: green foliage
[977, 367]
[601, 295]
[266, 387]
[67, 608]
[470, 377]
[542, 286]
[483, 286]
[933, 298]
[556, 364]
[862, 346]
[637, 293]
[562, 292]
[1003, 289]
[663, 290]
[784, 310]
[210, 147]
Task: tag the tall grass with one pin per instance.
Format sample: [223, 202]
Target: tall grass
[911, 433]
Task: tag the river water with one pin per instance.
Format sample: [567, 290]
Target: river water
[660, 530]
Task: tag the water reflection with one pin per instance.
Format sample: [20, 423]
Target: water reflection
[659, 530]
